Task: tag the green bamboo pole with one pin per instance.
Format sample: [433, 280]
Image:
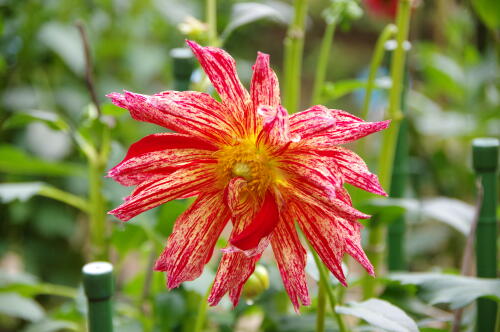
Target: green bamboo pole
[98, 287]
[396, 230]
[183, 65]
[485, 162]
[294, 46]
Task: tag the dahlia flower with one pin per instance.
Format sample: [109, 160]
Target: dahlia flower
[252, 164]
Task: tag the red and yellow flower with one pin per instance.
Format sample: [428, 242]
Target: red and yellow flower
[251, 164]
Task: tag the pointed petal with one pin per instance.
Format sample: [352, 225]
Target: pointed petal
[220, 68]
[291, 259]
[323, 235]
[264, 87]
[354, 170]
[355, 250]
[186, 112]
[234, 270]
[191, 243]
[311, 121]
[158, 155]
[184, 182]
[347, 128]
[262, 225]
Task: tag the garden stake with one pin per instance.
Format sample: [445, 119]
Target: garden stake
[183, 65]
[98, 287]
[485, 163]
[396, 230]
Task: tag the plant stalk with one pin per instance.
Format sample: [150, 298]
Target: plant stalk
[321, 307]
[98, 232]
[324, 54]
[294, 46]
[65, 197]
[202, 312]
[211, 17]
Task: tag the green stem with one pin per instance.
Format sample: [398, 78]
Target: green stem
[211, 17]
[377, 58]
[329, 291]
[202, 312]
[321, 308]
[98, 232]
[65, 197]
[375, 250]
[394, 113]
[294, 46]
[324, 53]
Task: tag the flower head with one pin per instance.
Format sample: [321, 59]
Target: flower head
[251, 164]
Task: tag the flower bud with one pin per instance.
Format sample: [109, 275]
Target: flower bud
[257, 283]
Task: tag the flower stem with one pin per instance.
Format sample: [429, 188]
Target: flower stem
[389, 141]
[65, 197]
[377, 57]
[394, 113]
[321, 307]
[98, 232]
[202, 312]
[211, 17]
[294, 46]
[329, 291]
[324, 53]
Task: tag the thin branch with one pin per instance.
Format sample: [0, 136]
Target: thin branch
[89, 77]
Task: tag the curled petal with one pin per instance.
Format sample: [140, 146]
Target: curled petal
[191, 243]
[183, 183]
[220, 68]
[236, 196]
[354, 170]
[262, 224]
[234, 270]
[186, 112]
[158, 155]
[323, 235]
[264, 88]
[276, 128]
[291, 259]
[311, 121]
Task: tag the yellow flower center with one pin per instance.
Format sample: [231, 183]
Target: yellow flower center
[248, 160]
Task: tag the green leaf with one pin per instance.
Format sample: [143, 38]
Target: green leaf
[15, 161]
[380, 314]
[489, 11]
[52, 326]
[27, 285]
[456, 291]
[128, 236]
[247, 12]
[21, 191]
[15, 305]
[21, 119]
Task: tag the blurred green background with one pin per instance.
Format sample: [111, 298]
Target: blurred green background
[453, 97]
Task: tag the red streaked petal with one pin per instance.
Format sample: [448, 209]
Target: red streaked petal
[354, 170]
[264, 87]
[343, 133]
[234, 270]
[220, 68]
[261, 226]
[323, 235]
[276, 128]
[311, 121]
[186, 112]
[355, 250]
[191, 243]
[182, 183]
[291, 259]
[158, 155]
